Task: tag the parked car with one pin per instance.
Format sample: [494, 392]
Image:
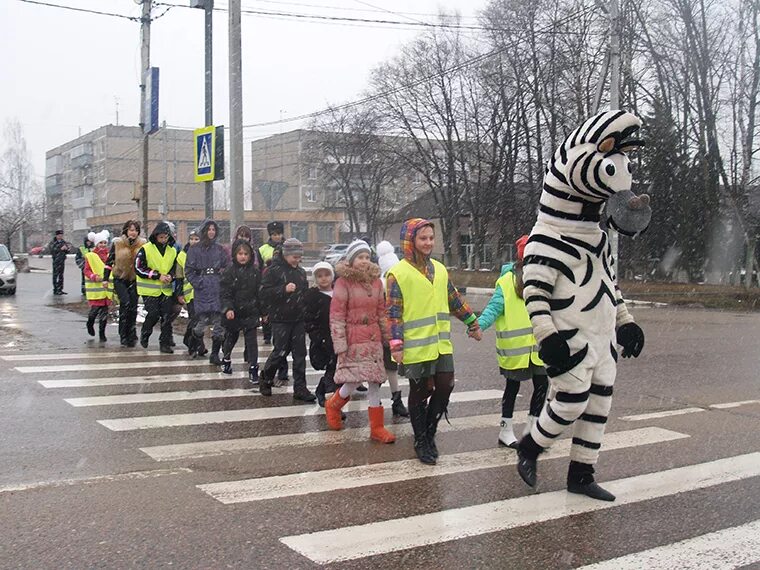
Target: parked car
[7, 272]
[38, 250]
[333, 249]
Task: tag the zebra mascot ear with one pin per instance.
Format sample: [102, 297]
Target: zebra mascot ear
[606, 145]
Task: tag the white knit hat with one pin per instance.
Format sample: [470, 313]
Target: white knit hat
[355, 248]
[96, 238]
[386, 256]
[322, 265]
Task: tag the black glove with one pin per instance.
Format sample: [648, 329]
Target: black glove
[631, 338]
[554, 351]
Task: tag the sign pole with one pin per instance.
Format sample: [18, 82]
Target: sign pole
[209, 9]
[144, 118]
[236, 116]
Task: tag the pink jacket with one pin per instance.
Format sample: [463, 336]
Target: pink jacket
[357, 325]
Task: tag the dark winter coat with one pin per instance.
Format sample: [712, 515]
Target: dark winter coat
[283, 307]
[58, 250]
[316, 313]
[205, 262]
[240, 291]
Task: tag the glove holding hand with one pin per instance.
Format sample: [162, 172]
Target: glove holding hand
[631, 338]
[554, 351]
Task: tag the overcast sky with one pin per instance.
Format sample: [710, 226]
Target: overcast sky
[63, 72]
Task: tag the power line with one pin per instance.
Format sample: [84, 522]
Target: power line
[86, 10]
[375, 9]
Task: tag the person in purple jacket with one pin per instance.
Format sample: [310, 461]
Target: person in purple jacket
[205, 262]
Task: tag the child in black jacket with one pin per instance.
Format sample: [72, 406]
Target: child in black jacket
[240, 307]
[316, 303]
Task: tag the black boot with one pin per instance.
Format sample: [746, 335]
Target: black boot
[265, 386]
[436, 410]
[216, 345]
[165, 349]
[226, 366]
[398, 407]
[580, 480]
[319, 392]
[418, 417]
[91, 325]
[144, 338]
[253, 375]
[527, 458]
[102, 330]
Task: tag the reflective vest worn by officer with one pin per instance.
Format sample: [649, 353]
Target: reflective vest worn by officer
[515, 344]
[94, 290]
[427, 322]
[187, 289]
[160, 263]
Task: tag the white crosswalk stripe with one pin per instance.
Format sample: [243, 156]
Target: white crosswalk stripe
[353, 542]
[306, 483]
[121, 365]
[100, 355]
[228, 416]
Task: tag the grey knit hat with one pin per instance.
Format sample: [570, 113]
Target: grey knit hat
[355, 248]
[292, 246]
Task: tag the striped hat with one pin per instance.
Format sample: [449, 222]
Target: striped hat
[355, 248]
[292, 246]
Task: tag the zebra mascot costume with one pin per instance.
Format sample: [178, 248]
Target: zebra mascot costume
[571, 293]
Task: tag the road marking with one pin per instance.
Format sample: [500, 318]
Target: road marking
[306, 483]
[180, 395]
[97, 354]
[729, 548]
[728, 405]
[307, 439]
[122, 366]
[361, 541]
[227, 416]
[132, 380]
[666, 414]
[97, 479]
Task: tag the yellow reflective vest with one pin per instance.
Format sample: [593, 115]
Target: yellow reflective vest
[162, 264]
[94, 290]
[515, 344]
[427, 322]
[187, 289]
[266, 251]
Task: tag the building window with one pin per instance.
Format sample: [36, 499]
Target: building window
[313, 172]
[310, 194]
[300, 231]
[325, 233]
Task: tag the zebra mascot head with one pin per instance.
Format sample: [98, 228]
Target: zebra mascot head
[591, 168]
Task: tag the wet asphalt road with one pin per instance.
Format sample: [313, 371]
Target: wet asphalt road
[76, 494]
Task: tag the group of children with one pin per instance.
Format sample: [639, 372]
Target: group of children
[371, 314]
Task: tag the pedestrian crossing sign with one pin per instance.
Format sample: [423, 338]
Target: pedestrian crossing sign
[205, 152]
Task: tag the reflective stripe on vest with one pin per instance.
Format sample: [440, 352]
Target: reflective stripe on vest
[515, 344]
[94, 290]
[162, 264]
[187, 289]
[427, 323]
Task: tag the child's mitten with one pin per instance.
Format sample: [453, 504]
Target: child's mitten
[631, 338]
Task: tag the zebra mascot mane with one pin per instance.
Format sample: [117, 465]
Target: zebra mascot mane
[576, 309]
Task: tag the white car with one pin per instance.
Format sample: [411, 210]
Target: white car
[330, 252]
[7, 272]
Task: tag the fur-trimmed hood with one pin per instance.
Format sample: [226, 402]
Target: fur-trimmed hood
[342, 269]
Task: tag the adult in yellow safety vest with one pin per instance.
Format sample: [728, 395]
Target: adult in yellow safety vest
[420, 300]
[516, 349]
[155, 266]
[96, 283]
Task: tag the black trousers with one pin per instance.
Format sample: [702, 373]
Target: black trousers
[287, 338]
[232, 331]
[127, 293]
[99, 313]
[211, 319]
[58, 267]
[159, 308]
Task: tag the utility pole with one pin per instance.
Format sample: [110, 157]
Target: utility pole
[236, 117]
[144, 118]
[209, 9]
[614, 96]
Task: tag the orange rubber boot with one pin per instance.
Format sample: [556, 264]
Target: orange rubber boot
[332, 410]
[377, 429]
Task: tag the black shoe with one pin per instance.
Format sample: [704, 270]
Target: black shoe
[226, 366]
[265, 388]
[280, 382]
[144, 340]
[267, 341]
[62, 293]
[102, 331]
[592, 490]
[398, 407]
[91, 328]
[253, 375]
[216, 346]
[166, 349]
[172, 343]
[361, 388]
[527, 459]
[303, 395]
[201, 351]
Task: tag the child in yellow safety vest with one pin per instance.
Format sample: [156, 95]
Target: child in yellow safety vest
[97, 289]
[516, 347]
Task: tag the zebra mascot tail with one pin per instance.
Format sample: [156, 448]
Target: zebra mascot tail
[571, 293]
